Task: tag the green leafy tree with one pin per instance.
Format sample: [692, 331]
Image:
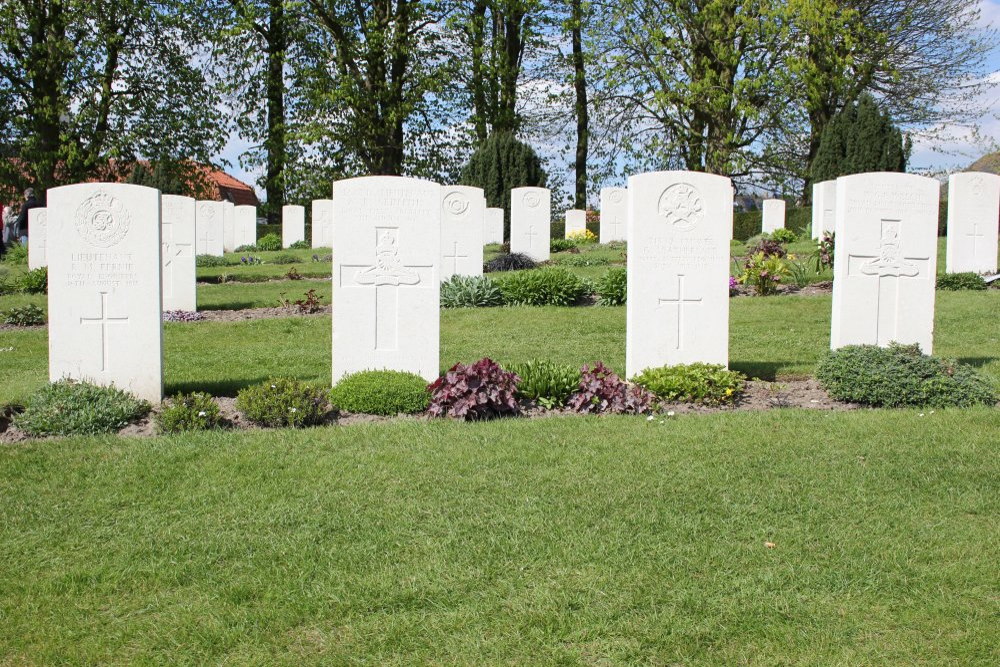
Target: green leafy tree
[169, 178]
[861, 138]
[88, 87]
[500, 164]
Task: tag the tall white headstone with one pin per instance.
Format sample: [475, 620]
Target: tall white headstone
[614, 211]
[177, 219]
[679, 227]
[209, 227]
[824, 209]
[463, 218]
[885, 264]
[387, 236]
[293, 225]
[246, 225]
[576, 221]
[229, 226]
[530, 222]
[973, 212]
[104, 286]
[494, 226]
[774, 215]
[38, 235]
[322, 223]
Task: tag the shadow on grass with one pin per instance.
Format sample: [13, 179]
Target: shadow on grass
[231, 305]
[758, 370]
[218, 388]
[978, 362]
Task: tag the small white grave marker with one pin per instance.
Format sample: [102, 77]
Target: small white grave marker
[973, 211]
[884, 267]
[228, 226]
[209, 228]
[322, 223]
[293, 225]
[104, 286]
[614, 211]
[824, 209]
[774, 215]
[38, 235]
[463, 217]
[178, 253]
[386, 312]
[576, 221]
[530, 222]
[246, 225]
[494, 226]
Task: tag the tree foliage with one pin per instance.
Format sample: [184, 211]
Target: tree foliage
[861, 138]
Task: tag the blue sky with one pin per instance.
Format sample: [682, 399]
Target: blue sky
[936, 157]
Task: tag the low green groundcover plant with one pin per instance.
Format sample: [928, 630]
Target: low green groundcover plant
[283, 402]
[269, 243]
[284, 258]
[784, 235]
[959, 281]
[470, 292]
[16, 254]
[381, 393]
[899, 376]
[23, 316]
[300, 245]
[78, 408]
[611, 287]
[547, 383]
[551, 286]
[511, 261]
[189, 412]
[711, 384]
[561, 245]
[35, 281]
[210, 261]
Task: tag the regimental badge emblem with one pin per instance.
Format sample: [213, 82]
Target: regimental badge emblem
[102, 220]
[616, 196]
[532, 200]
[456, 204]
[682, 206]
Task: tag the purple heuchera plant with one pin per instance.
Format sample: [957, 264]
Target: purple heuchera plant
[601, 390]
[481, 390]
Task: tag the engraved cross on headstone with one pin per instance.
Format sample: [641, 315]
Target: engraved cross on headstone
[104, 320]
[615, 224]
[976, 235]
[387, 276]
[889, 267]
[678, 303]
[171, 251]
[454, 257]
[531, 234]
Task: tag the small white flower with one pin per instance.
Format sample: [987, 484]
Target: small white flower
[650, 418]
[274, 386]
[295, 409]
[201, 413]
[921, 414]
[931, 412]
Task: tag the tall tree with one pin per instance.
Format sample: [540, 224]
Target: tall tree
[861, 138]
[90, 85]
[577, 19]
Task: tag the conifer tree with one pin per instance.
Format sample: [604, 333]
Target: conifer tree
[861, 138]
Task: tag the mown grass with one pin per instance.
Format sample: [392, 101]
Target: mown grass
[770, 338]
[560, 541]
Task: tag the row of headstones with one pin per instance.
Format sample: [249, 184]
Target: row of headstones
[105, 271]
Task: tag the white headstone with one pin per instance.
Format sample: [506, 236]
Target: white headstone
[680, 224]
[322, 223]
[494, 226]
[530, 222]
[463, 218]
[973, 212]
[209, 227]
[614, 211]
[576, 221]
[824, 209]
[37, 237]
[885, 265]
[386, 312]
[293, 225]
[229, 226]
[177, 219]
[774, 215]
[246, 225]
[104, 287]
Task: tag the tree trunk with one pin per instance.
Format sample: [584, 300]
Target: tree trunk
[582, 114]
[274, 144]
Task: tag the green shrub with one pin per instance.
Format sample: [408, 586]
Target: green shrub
[509, 262]
[784, 235]
[284, 258]
[960, 281]
[25, 316]
[78, 408]
[381, 393]
[210, 260]
[269, 243]
[561, 245]
[300, 245]
[283, 402]
[35, 281]
[612, 287]
[899, 375]
[550, 286]
[189, 412]
[470, 292]
[249, 247]
[711, 384]
[549, 384]
[764, 272]
[16, 254]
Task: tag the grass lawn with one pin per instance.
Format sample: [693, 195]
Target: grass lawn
[560, 541]
[774, 337]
